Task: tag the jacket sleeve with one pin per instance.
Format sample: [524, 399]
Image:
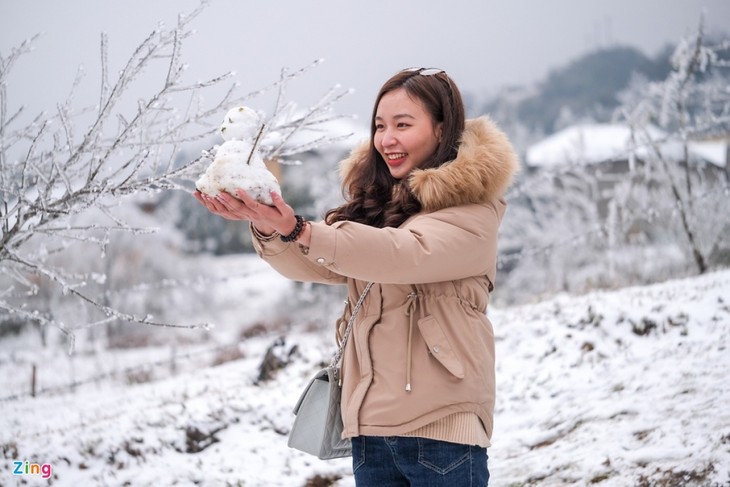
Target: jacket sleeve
[290, 261]
[449, 244]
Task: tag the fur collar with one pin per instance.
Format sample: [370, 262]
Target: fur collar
[482, 170]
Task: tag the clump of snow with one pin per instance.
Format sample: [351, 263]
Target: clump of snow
[237, 163]
[713, 151]
[240, 123]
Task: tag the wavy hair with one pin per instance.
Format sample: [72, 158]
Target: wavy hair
[372, 195]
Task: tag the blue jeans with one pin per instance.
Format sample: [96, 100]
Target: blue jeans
[402, 461]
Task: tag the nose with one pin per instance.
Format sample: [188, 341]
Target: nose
[387, 139]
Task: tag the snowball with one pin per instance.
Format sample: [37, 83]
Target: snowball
[240, 123]
[234, 147]
[230, 173]
[241, 150]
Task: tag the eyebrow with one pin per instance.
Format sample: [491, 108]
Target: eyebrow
[400, 115]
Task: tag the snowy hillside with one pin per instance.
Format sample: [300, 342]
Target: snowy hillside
[617, 388]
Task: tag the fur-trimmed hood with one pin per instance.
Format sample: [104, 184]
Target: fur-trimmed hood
[482, 170]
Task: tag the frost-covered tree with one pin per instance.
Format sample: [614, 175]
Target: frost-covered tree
[692, 102]
[552, 235]
[628, 219]
[74, 160]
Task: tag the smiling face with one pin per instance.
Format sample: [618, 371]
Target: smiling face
[405, 133]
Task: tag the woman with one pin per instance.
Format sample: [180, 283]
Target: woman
[423, 206]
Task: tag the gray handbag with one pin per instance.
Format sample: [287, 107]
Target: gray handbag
[317, 428]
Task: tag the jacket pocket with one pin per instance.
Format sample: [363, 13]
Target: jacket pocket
[439, 346]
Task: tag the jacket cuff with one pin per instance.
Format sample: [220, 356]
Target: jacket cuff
[266, 245]
[322, 244]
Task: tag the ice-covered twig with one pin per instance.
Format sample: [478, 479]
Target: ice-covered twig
[312, 118]
[690, 101]
[255, 144]
[74, 159]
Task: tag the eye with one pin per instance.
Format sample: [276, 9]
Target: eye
[403, 125]
[379, 126]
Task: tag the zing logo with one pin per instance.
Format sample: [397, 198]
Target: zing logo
[27, 468]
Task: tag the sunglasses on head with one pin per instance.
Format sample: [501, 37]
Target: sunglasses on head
[432, 72]
[424, 71]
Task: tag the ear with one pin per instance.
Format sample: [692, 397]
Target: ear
[438, 131]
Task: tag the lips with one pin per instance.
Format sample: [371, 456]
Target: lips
[396, 158]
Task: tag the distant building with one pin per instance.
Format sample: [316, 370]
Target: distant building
[613, 152]
[609, 143]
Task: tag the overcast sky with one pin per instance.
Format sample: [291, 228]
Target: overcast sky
[483, 44]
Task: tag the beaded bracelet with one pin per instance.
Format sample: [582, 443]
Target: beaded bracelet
[261, 237]
[297, 230]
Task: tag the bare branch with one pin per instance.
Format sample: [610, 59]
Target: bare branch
[79, 159]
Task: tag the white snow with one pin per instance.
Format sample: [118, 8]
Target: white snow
[231, 172]
[594, 143]
[238, 163]
[714, 151]
[608, 388]
[240, 123]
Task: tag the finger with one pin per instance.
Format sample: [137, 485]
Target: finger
[222, 206]
[284, 211]
[253, 205]
[247, 199]
[280, 204]
[206, 201]
[235, 214]
[202, 197]
[228, 200]
[234, 207]
[216, 206]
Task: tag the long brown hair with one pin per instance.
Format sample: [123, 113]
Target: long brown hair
[372, 195]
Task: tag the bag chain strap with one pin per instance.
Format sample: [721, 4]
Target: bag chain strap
[338, 356]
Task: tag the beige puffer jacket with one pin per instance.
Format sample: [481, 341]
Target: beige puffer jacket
[422, 347]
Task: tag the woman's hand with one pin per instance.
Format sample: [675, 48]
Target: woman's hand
[267, 219]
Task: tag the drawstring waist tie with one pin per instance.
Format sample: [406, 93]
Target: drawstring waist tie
[410, 312]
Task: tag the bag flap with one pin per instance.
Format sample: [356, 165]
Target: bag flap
[323, 375]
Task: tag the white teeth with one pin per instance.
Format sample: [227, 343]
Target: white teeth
[396, 156]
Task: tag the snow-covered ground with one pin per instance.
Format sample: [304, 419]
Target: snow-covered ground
[617, 388]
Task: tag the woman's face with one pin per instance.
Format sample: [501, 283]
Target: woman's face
[405, 133]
